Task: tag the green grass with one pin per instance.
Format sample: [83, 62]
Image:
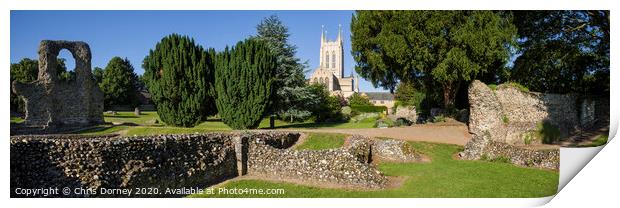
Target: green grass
[16, 120]
[443, 177]
[143, 125]
[319, 141]
[600, 140]
[145, 118]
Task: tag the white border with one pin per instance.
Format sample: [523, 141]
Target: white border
[594, 185]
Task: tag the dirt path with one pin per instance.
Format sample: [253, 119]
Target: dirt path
[455, 133]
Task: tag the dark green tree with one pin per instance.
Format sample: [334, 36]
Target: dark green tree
[562, 51]
[292, 98]
[328, 108]
[180, 80]
[27, 70]
[442, 49]
[119, 83]
[244, 83]
[357, 99]
[98, 75]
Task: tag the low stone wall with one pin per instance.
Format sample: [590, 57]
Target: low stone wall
[171, 161]
[391, 150]
[482, 147]
[333, 166]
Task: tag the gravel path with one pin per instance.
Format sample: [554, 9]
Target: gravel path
[453, 133]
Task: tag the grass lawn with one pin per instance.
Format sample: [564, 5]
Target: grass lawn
[600, 140]
[144, 125]
[443, 177]
[319, 141]
[16, 119]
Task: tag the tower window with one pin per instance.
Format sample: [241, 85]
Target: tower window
[333, 59]
[327, 60]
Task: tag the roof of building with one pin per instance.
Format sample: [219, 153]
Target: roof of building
[379, 95]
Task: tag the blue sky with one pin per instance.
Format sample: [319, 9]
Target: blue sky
[131, 34]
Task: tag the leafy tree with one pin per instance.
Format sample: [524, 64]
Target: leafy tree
[292, 98]
[27, 70]
[357, 99]
[442, 49]
[328, 108]
[562, 51]
[119, 83]
[98, 75]
[408, 95]
[244, 83]
[180, 80]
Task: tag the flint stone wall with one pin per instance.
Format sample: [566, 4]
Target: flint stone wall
[171, 161]
[483, 147]
[392, 150]
[51, 103]
[334, 166]
[176, 161]
[507, 112]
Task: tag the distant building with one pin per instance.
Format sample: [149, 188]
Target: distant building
[331, 69]
[380, 99]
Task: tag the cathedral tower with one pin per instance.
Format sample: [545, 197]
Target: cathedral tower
[332, 53]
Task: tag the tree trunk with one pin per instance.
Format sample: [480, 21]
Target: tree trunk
[272, 121]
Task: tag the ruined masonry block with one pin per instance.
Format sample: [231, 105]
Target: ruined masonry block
[51, 103]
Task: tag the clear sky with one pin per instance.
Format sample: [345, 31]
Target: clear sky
[131, 34]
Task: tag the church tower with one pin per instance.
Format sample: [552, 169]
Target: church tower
[330, 72]
[332, 53]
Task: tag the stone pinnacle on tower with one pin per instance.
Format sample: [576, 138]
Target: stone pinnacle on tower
[322, 33]
[339, 33]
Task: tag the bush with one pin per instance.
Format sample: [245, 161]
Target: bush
[384, 123]
[359, 100]
[548, 132]
[402, 122]
[180, 76]
[244, 79]
[505, 119]
[439, 118]
[329, 107]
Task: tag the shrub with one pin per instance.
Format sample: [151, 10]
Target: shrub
[244, 78]
[359, 100]
[383, 123]
[493, 87]
[179, 76]
[329, 107]
[402, 122]
[548, 132]
[439, 118]
[505, 119]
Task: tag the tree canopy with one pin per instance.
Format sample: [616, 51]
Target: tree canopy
[244, 83]
[563, 51]
[292, 98]
[179, 74]
[441, 48]
[118, 83]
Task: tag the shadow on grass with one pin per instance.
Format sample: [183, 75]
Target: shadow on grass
[121, 116]
[306, 125]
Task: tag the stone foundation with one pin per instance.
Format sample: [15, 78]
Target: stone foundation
[178, 161]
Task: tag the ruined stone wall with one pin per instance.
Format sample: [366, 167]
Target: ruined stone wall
[507, 112]
[52, 103]
[172, 161]
[331, 166]
[177, 161]
[482, 147]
